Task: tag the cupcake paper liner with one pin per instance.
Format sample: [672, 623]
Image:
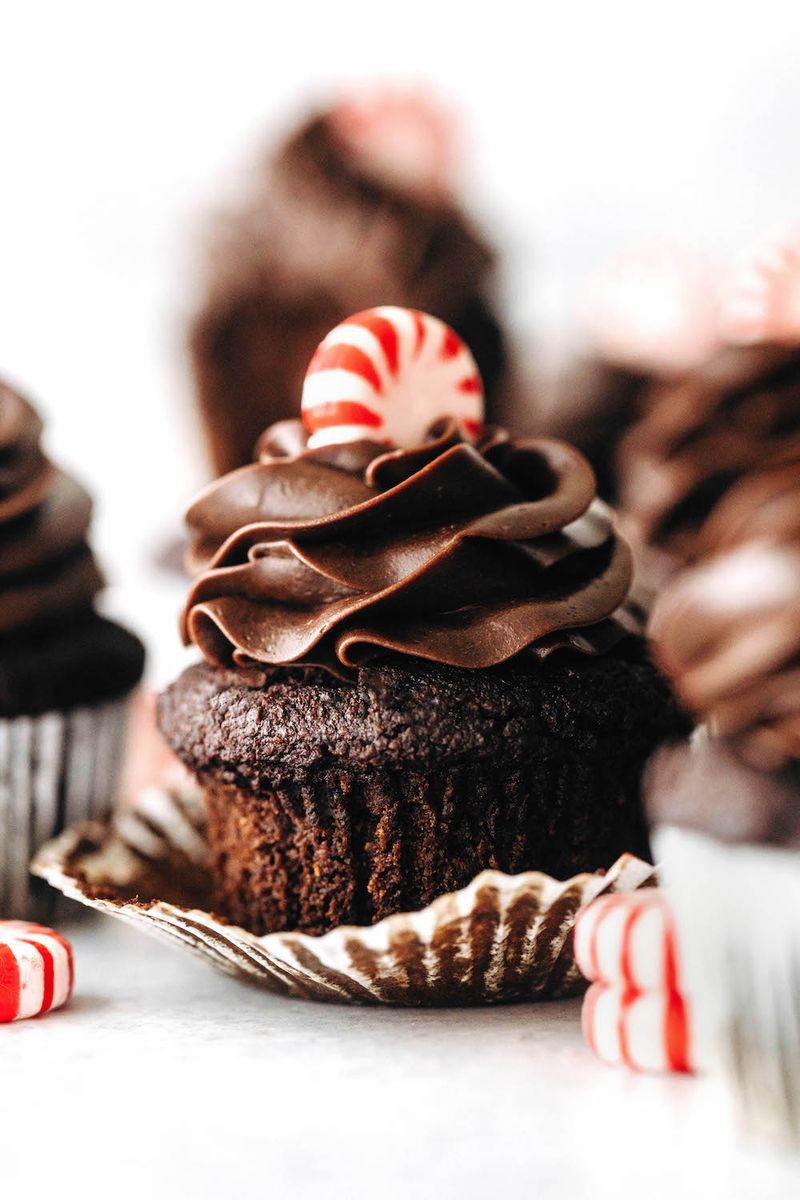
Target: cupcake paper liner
[55, 769]
[502, 938]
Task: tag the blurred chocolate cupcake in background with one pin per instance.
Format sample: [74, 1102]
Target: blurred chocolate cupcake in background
[65, 671]
[739, 411]
[727, 630]
[356, 207]
[648, 317]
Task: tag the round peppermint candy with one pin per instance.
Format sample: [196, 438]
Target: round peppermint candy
[36, 972]
[386, 375]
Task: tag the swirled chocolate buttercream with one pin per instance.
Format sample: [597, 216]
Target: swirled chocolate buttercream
[699, 436]
[464, 553]
[46, 566]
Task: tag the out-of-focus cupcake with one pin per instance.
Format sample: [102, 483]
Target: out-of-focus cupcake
[738, 411]
[727, 631]
[419, 662]
[650, 316]
[726, 805]
[356, 207]
[65, 671]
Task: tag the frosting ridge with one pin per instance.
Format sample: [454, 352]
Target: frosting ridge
[46, 566]
[467, 553]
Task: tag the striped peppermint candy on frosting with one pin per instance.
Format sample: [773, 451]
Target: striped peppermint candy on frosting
[386, 375]
[762, 300]
[635, 1013]
[36, 972]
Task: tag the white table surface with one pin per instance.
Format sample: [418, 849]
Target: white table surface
[164, 1079]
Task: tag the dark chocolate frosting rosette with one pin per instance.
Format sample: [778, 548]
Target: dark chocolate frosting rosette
[46, 566]
[466, 548]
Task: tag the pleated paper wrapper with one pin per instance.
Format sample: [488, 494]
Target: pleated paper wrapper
[55, 769]
[502, 938]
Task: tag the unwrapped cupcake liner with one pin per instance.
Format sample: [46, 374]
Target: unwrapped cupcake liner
[55, 769]
[502, 938]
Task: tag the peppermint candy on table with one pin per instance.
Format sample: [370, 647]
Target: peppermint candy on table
[386, 374]
[647, 1031]
[628, 939]
[36, 972]
[635, 1013]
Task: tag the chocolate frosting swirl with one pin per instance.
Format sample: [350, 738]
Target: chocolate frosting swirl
[728, 630]
[697, 437]
[464, 554]
[46, 566]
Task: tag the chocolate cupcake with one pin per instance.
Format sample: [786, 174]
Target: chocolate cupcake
[648, 318]
[419, 662]
[740, 411]
[727, 631]
[353, 209]
[64, 670]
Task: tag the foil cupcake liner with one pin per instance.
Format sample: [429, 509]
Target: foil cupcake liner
[55, 769]
[502, 938]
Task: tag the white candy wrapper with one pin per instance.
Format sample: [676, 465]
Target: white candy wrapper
[55, 769]
[502, 938]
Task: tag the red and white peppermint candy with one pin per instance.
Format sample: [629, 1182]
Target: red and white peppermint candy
[628, 939]
[762, 300]
[635, 1013]
[401, 136]
[646, 1031]
[36, 972]
[386, 375]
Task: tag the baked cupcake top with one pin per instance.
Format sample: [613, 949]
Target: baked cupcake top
[360, 533]
[728, 630]
[737, 412]
[46, 566]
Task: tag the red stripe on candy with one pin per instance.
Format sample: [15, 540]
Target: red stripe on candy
[385, 332]
[9, 984]
[451, 343]
[471, 385]
[677, 1025]
[65, 946]
[340, 412]
[626, 949]
[48, 965]
[473, 428]
[419, 326]
[346, 358]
